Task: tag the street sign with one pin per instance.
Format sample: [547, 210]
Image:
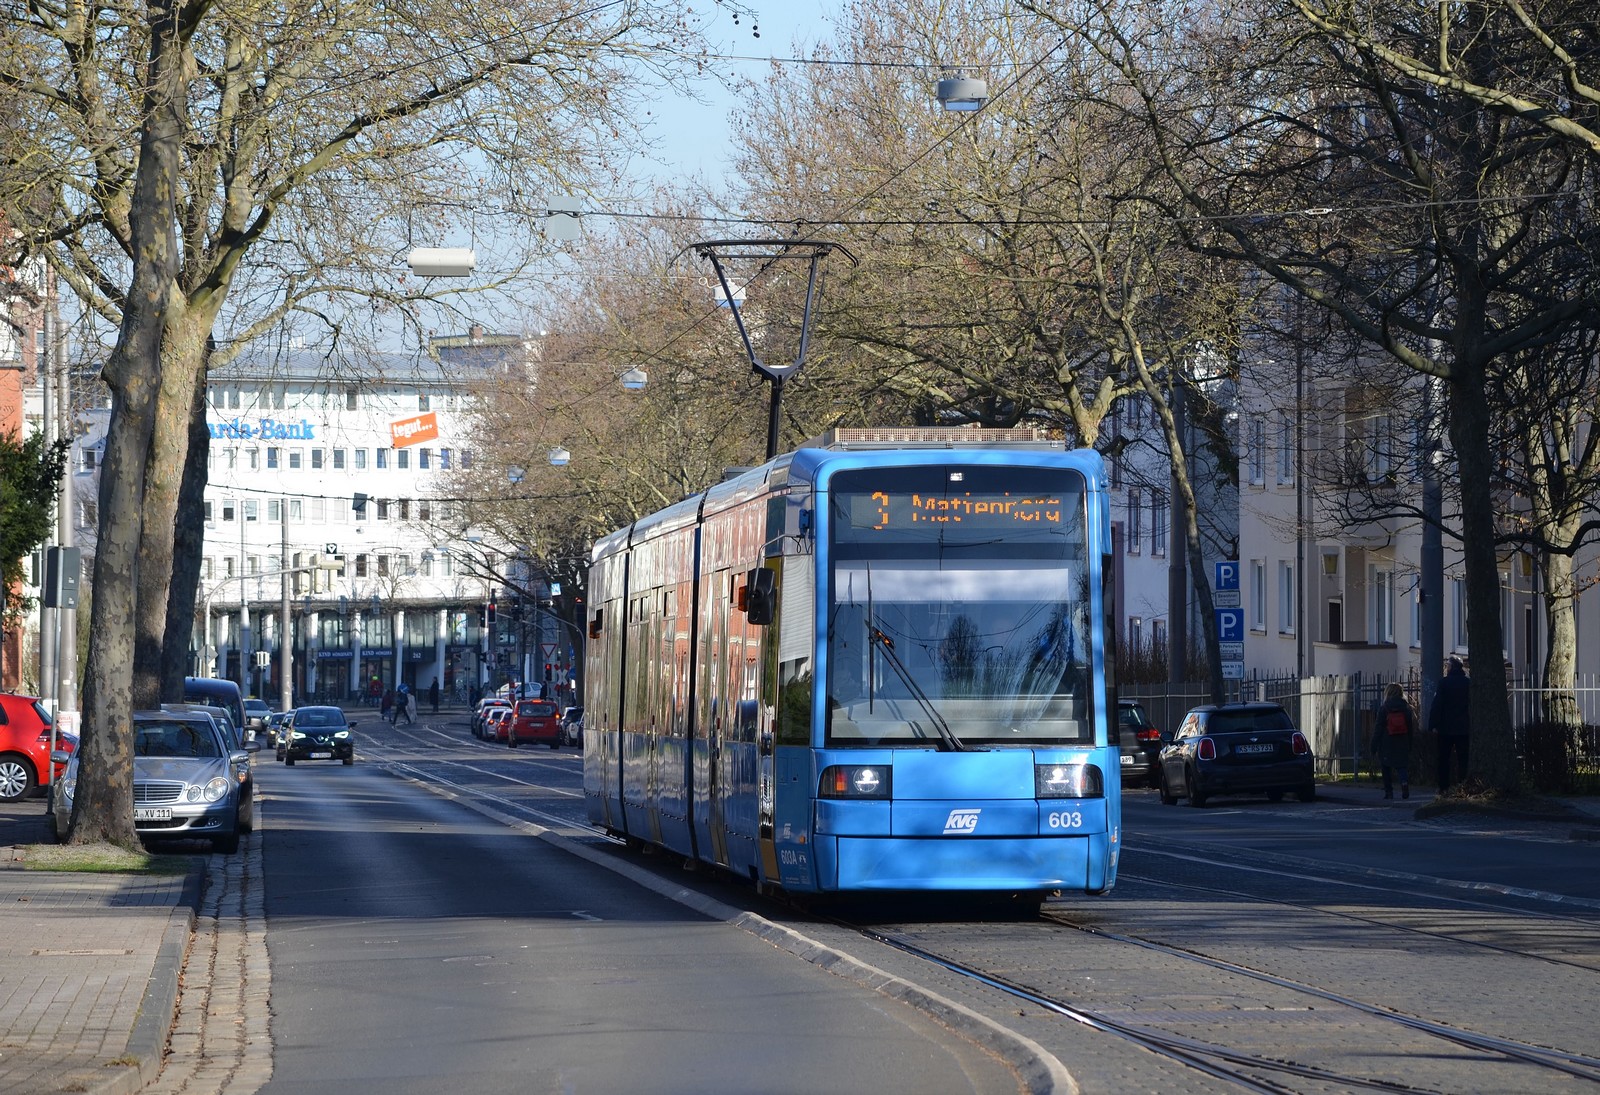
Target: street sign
[1225, 598]
[1233, 671]
[1227, 571]
[1230, 625]
[1232, 651]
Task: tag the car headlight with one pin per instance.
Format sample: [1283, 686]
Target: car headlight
[68, 788]
[1067, 781]
[854, 781]
[342, 734]
[216, 788]
[295, 735]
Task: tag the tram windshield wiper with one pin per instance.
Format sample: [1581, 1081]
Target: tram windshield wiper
[947, 737]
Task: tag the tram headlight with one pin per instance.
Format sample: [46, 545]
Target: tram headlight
[1067, 781]
[854, 781]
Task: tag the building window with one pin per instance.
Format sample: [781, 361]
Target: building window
[402, 565]
[422, 401]
[227, 509]
[316, 459]
[297, 511]
[1158, 522]
[319, 511]
[351, 401]
[210, 518]
[1286, 447]
[383, 566]
[233, 459]
[361, 459]
[338, 460]
[274, 511]
[1135, 521]
[444, 459]
[294, 459]
[427, 564]
[383, 457]
[255, 460]
[1256, 449]
[1136, 635]
[233, 399]
[252, 509]
[424, 458]
[424, 509]
[405, 509]
[361, 566]
[466, 458]
[1414, 611]
[1258, 595]
[1458, 600]
[1288, 598]
[227, 566]
[1381, 582]
[402, 458]
[383, 509]
[252, 564]
[272, 456]
[1158, 635]
[208, 568]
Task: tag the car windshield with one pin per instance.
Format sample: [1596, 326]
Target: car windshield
[1236, 722]
[318, 719]
[537, 710]
[255, 705]
[1131, 714]
[174, 739]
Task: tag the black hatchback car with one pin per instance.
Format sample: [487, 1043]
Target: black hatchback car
[1140, 742]
[317, 733]
[1237, 749]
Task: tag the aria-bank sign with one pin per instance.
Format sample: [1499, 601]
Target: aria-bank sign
[267, 429]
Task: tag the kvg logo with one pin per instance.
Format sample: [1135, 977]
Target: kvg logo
[962, 822]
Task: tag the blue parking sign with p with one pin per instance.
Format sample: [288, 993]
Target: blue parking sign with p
[1227, 574]
[1230, 625]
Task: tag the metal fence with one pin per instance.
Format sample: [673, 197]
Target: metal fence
[1339, 713]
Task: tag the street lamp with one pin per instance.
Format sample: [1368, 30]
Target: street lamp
[559, 456]
[442, 262]
[635, 379]
[962, 93]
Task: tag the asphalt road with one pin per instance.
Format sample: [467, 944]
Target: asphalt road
[418, 947]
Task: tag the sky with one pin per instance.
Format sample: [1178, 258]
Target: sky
[694, 136]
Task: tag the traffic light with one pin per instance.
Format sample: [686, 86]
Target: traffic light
[547, 674]
[483, 617]
[491, 614]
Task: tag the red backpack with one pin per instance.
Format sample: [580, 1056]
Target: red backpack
[1398, 723]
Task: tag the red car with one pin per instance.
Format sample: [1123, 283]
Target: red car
[25, 746]
[497, 724]
[535, 720]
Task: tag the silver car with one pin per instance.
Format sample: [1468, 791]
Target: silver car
[185, 785]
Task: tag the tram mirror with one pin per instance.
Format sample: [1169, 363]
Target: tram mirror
[594, 624]
[761, 600]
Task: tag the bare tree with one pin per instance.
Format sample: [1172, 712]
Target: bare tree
[183, 150]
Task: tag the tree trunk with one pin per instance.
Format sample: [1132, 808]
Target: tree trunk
[188, 548]
[1560, 700]
[1493, 759]
[102, 809]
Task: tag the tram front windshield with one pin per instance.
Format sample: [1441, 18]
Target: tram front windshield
[959, 611]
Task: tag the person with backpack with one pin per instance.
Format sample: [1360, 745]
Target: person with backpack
[1391, 741]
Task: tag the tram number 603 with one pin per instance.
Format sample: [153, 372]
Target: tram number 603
[1065, 819]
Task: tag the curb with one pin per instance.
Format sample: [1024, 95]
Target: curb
[147, 1042]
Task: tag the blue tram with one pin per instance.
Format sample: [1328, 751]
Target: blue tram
[878, 663]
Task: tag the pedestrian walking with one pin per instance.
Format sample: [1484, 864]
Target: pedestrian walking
[1392, 738]
[386, 705]
[407, 705]
[433, 695]
[1451, 719]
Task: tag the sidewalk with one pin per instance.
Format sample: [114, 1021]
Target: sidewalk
[89, 968]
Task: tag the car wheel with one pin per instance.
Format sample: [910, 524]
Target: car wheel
[555, 744]
[1274, 796]
[226, 845]
[288, 760]
[511, 742]
[1308, 793]
[350, 758]
[16, 778]
[1167, 797]
[1197, 797]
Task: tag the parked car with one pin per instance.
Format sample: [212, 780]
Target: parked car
[239, 748]
[256, 713]
[1237, 748]
[1140, 741]
[535, 721]
[25, 764]
[184, 786]
[572, 726]
[216, 692]
[318, 733]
